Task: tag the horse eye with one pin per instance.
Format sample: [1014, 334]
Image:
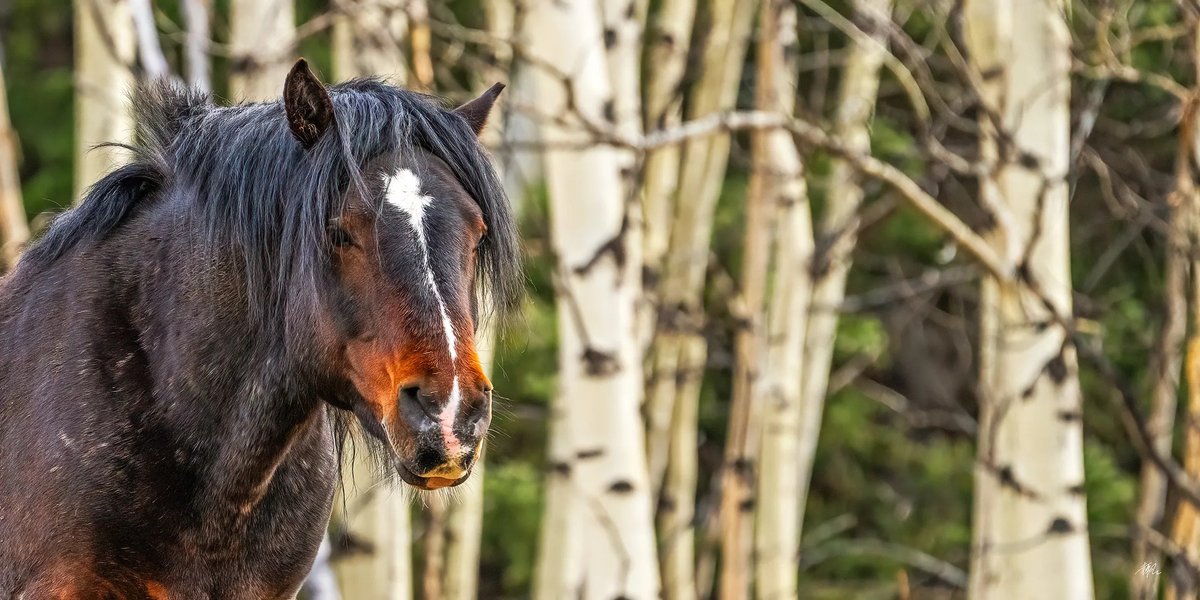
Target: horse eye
[340, 237]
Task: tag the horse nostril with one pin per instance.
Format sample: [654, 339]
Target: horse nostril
[475, 415]
[415, 407]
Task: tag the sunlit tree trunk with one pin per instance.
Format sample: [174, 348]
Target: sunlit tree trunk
[600, 373]
[150, 54]
[14, 228]
[465, 522]
[1185, 528]
[375, 514]
[421, 43]
[369, 38]
[262, 43]
[839, 224]
[1030, 537]
[668, 38]
[104, 59]
[779, 195]
[703, 172]
[372, 525]
[197, 68]
[1184, 203]
[1184, 531]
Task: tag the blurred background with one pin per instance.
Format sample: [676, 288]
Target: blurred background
[825, 298]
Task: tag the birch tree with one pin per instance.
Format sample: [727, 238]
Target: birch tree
[262, 42]
[367, 38]
[839, 224]
[597, 446]
[1184, 528]
[150, 54]
[373, 521]
[104, 58]
[1030, 530]
[198, 16]
[702, 173]
[779, 193]
[14, 229]
[465, 522]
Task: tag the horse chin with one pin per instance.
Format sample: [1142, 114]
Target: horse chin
[427, 483]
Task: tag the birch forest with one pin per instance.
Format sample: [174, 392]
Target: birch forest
[823, 298]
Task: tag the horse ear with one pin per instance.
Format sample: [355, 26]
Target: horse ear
[309, 109]
[476, 111]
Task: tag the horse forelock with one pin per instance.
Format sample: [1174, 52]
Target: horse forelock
[253, 187]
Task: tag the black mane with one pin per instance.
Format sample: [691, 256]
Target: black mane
[253, 186]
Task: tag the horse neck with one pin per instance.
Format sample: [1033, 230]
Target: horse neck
[229, 397]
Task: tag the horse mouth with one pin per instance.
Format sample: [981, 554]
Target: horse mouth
[427, 483]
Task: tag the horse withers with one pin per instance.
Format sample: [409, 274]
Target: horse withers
[180, 356]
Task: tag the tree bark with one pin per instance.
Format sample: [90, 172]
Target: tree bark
[150, 54]
[104, 59]
[14, 228]
[198, 16]
[782, 203]
[1185, 225]
[421, 44]
[373, 522]
[839, 223]
[1184, 205]
[369, 38]
[262, 43]
[366, 42]
[601, 460]
[669, 38]
[703, 171]
[1030, 536]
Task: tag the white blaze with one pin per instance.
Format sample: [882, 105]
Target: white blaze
[404, 192]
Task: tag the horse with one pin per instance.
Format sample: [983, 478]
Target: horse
[183, 354]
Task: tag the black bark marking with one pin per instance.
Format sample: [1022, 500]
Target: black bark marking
[590, 453]
[1070, 416]
[1060, 526]
[561, 468]
[614, 246]
[620, 487]
[1029, 161]
[992, 73]
[610, 38]
[1008, 479]
[1057, 369]
[598, 363]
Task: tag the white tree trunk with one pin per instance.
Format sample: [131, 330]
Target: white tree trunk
[262, 43]
[702, 172]
[150, 54]
[104, 59]
[376, 519]
[1031, 537]
[668, 38]
[369, 38]
[600, 373]
[421, 39]
[198, 15]
[844, 197]
[778, 391]
[366, 42]
[14, 228]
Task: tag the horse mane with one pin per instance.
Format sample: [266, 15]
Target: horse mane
[251, 185]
